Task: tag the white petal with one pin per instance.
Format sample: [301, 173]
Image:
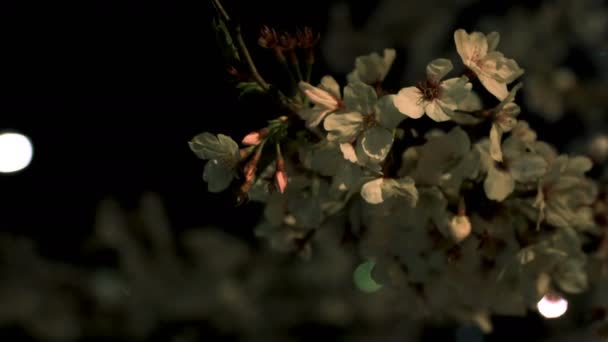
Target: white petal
[461, 39]
[389, 58]
[348, 151]
[319, 96]
[495, 141]
[343, 127]
[498, 184]
[360, 97]
[438, 68]
[479, 44]
[493, 39]
[495, 87]
[372, 191]
[377, 142]
[409, 102]
[329, 83]
[317, 115]
[435, 111]
[456, 89]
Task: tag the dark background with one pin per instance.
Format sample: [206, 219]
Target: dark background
[110, 93]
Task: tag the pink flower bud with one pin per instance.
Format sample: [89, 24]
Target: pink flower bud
[280, 176]
[251, 167]
[255, 138]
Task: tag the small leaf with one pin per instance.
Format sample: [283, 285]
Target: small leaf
[363, 277]
[247, 88]
[224, 40]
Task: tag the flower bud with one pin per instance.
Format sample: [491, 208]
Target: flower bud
[307, 39]
[268, 38]
[280, 176]
[460, 227]
[287, 41]
[255, 138]
[252, 166]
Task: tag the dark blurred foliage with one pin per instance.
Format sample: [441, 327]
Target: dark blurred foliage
[111, 91]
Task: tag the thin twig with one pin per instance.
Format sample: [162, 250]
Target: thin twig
[254, 71]
[220, 8]
[242, 47]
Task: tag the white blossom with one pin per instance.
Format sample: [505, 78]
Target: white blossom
[494, 70]
[437, 99]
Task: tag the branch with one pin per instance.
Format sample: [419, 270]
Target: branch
[241, 44]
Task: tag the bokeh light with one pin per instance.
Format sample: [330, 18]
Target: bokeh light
[16, 152]
[552, 306]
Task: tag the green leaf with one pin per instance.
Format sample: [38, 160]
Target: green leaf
[362, 276]
[220, 147]
[224, 40]
[217, 176]
[247, 88]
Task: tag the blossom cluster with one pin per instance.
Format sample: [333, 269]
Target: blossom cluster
[474, 216]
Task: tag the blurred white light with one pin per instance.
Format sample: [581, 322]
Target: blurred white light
[552, 306]
[15, 152]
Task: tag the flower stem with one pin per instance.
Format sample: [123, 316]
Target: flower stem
[308, 71]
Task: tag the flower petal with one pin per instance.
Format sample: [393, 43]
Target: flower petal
[438, 68]
[360, 97]
[348, 151]
[372, 191]
[377, 142]
[329, 83]
[436, 112]
[495, 87]
[470, 47]
[464, 48]
[493, 38]
[386, 113]
[343, 127]
[495, 140]
[456, 88]
[389, 58]
[318, 96]
[498, 184]
[409, 102]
